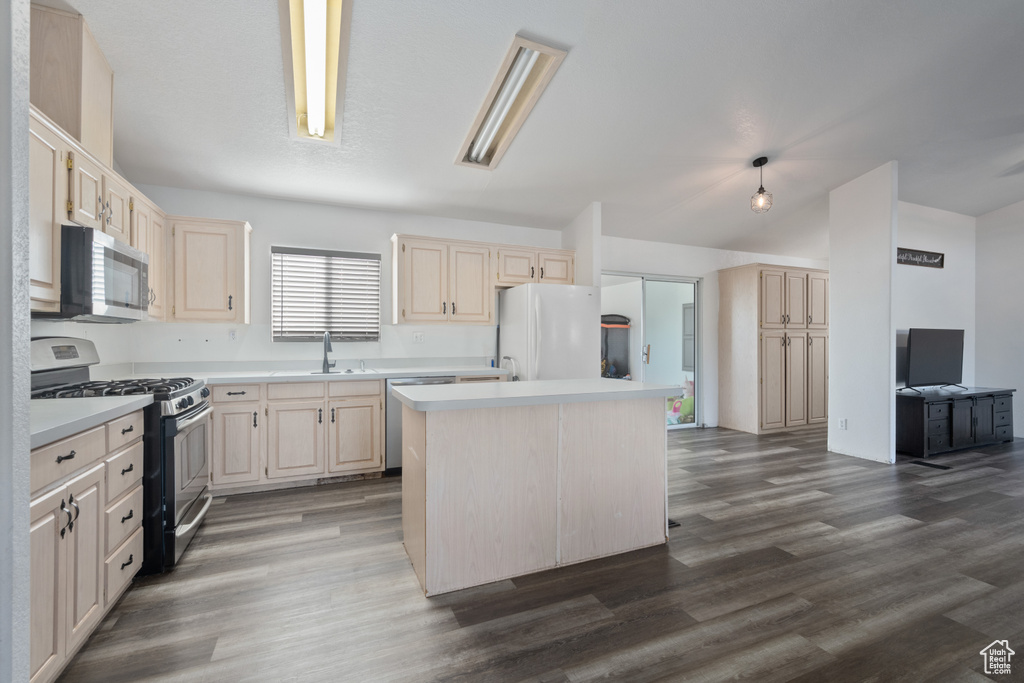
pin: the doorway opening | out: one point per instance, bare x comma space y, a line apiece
650, 333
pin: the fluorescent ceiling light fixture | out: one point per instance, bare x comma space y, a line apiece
314, 41
527, 69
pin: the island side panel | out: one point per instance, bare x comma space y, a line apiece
414, 490
491, 494
612, 473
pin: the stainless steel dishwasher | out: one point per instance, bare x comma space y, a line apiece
393, 420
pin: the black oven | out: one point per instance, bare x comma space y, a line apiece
176, 495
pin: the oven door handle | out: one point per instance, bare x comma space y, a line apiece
182, 424
185, 528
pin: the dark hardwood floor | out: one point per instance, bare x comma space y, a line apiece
790, 564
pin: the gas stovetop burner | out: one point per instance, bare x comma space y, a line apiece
160, 388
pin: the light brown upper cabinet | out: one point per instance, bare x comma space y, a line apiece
439, 281
86, 192
149, 235
116, 210
515, 266
817, 300
556, 267
71, 81
787, 299
518, 266
48, 209
210, 269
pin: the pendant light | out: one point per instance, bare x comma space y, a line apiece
761, 201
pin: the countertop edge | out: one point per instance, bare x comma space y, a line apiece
44, 436
569, 396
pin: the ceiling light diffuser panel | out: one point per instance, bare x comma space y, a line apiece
314, 42
525, 72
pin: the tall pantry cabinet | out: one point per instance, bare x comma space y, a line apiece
773, 348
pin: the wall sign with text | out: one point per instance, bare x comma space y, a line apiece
914, 257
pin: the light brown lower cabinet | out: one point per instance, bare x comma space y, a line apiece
67, 554
273, 433
354, 435
85, 538
794, 378
295, 446
238, 437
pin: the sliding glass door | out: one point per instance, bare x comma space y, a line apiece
650, 328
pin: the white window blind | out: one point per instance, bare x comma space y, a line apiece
317, 291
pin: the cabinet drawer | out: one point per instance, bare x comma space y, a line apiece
74, 452
937, 410
938, 443
938, 427
1004, 433
124, 470
1004, 403
354, 388
122, 566
295, 390
124, 430
1004, 418
236, 392
123, 517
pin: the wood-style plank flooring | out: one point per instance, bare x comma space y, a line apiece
790, 564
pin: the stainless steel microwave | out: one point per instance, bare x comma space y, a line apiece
101, 279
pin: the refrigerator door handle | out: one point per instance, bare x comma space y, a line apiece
535, 352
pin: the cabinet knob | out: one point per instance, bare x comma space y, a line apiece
131, 558
254, 418
320, 416
229, 301
131, 513
332, 415
128, 469
69, 456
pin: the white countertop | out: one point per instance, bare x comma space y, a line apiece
53, 419
310, 375
537, 392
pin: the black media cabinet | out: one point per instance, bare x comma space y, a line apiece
940, 420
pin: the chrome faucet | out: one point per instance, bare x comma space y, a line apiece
327, 347
362, 366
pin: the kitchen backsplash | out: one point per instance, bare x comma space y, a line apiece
146, 342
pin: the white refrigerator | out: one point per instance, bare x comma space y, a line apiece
550, 331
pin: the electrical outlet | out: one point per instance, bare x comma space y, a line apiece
842, 424
417, 337
232, 335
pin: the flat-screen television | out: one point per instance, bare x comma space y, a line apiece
934, 357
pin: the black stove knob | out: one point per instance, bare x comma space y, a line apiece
204, 392
191, 400
182, 404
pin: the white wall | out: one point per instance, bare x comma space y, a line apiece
937, 297
584, 235
1000, 307
623, 255
289, 223
14, 334
862, 334
627, 299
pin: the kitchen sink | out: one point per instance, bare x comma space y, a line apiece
350, 371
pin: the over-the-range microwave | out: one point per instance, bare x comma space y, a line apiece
101, 279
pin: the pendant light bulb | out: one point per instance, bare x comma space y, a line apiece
761, 201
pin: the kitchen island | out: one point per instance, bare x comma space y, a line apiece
505, 479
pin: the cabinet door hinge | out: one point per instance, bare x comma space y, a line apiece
173, 312
403, 314
71, 207
266, 412
71, 162
266, 471
172, 232
131, 204
403, 248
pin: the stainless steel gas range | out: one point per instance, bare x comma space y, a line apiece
176, 496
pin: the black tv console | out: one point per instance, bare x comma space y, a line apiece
939, 420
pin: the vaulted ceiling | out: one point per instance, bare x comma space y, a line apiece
657, 112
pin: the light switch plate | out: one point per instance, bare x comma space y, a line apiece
417, 337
